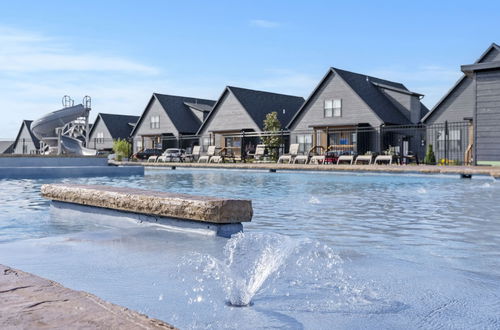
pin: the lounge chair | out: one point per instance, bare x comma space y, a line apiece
210, 154
195, 153
260, 151
293, 152
319, 158
383, 158
345, 158
170, 155
364, 158
216, 159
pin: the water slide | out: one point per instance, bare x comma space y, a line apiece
45, 129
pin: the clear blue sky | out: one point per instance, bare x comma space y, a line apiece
119, 52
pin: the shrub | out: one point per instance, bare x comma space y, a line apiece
122, 148
430, 158
272, 125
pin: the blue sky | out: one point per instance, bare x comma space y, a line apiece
119, 52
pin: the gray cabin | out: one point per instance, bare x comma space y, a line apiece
26, 142
170, 121
109, 127
241, 110
475, 100
346, 109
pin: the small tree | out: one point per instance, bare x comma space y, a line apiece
121, 148
430, 158
272, 126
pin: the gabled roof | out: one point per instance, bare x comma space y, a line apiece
119, 126
259, 103
27, 123
6, 147
199, 106
184, 120
479, 60
368, 89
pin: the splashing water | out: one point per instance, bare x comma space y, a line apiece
314, 200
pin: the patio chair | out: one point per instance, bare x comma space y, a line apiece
345, 158
195, 153
293, 152
364, 158
153, 159
383, 158
260, 151
206, 158
319, 158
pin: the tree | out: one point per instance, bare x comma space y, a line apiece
121, 148
430, 158
272, 140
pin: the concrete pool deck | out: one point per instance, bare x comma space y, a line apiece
397, 169
32, 302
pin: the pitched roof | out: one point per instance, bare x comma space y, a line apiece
6, 146
200, 106
27, 123
452, 89
368, 89
118, 125
184, 120
259, 103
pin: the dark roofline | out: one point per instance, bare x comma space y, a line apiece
229, 89
100, 118
470, 68
316, 89
143, 113
459, 81
33, 138
154, 96
209, 116
384, 86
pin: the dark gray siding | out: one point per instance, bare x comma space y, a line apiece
354, 110
488, 116
457, 105
144, 128
25, 140
493, 55
229, 116
108, 139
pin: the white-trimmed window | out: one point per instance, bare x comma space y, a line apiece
139, 145
333, 108
155, 122
205, 142
305, 142
100, 137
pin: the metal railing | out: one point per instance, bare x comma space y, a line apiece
451, 142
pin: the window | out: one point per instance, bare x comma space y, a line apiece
333, 108
100, 137
139, 145
305, 142
155, 122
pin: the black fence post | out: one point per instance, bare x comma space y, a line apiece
446, 142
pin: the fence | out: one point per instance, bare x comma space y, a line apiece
451, 142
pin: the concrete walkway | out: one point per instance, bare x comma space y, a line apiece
423, 169
32, 302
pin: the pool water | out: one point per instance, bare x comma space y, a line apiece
323, 251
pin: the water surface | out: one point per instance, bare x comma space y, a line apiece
323, 251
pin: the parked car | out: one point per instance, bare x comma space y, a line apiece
145, 154
172, 154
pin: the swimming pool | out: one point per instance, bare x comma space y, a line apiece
324, 250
